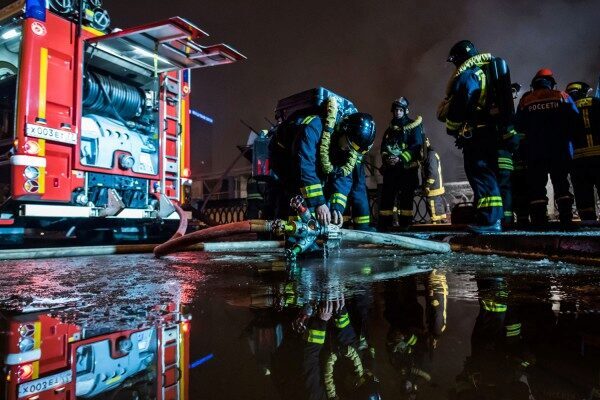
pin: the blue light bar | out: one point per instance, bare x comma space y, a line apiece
201, 116
36, 9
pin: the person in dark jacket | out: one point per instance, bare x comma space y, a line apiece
401, 152
547, 118
296, 153
468, 120
433, 184
585, 174
354, 138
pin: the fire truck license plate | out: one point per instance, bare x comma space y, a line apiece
42, 384
56, 135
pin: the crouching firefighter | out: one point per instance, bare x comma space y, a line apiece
585, 173
343, 169
401, 152
313, 158
433, 185
478, 111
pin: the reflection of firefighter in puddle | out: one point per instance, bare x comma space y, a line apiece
497, 367
304, 340
333, 366
410, 341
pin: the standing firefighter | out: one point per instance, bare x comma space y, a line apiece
433, 185
478, 112
401, 151
585, 174
548, 118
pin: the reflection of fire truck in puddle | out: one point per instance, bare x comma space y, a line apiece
45, 358
94, 124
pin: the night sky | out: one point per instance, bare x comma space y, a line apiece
368, 51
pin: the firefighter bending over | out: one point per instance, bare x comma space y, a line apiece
585, 174
401, 151
433, 185
313, 156
547, 118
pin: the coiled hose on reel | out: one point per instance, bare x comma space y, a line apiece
105, 95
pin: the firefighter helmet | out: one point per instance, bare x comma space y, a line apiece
360, 131
543, 78
402, 103
578, 90
461, 52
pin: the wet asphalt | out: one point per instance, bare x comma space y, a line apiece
484, 327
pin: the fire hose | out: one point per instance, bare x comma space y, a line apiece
301, 235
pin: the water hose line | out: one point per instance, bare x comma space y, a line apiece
182, 242
384, 239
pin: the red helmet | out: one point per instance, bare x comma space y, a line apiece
546, 74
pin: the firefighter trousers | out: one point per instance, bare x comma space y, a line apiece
480, 168
520, 194
436, 209
585, 176
537, 178
398, 182
504, 176
361, 212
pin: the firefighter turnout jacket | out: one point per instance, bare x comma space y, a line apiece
404, 139
433, 184
548, 119
587, 140
294, 150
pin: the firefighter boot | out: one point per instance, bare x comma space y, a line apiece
565, 209
538, 212
385, 220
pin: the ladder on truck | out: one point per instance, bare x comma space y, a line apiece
172, 373
171, 134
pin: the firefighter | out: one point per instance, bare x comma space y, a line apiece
401, 151
354, 137
467, 116
413, 334
585, 174
307, 151
547, 118
498, 365
433, 185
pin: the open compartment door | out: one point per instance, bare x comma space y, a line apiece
161, 47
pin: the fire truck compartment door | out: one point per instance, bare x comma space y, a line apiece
163, 46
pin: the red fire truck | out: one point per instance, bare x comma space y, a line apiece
94, 122
42, 358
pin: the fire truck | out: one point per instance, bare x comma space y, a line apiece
43, 358
94, 121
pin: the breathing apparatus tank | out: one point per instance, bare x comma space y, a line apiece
500, 93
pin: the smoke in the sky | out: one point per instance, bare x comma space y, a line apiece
369, 51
